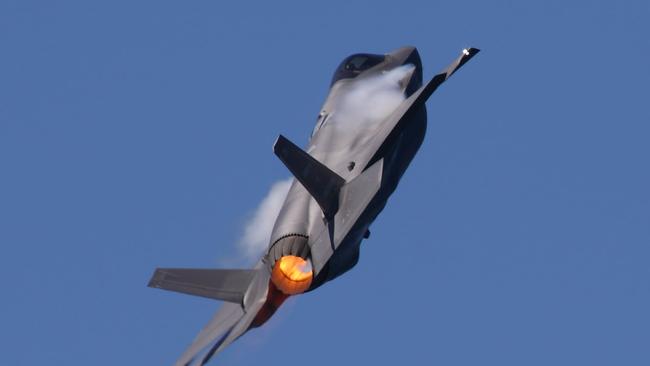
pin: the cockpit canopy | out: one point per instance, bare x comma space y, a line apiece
355, 64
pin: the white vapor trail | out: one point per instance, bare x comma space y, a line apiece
257, 232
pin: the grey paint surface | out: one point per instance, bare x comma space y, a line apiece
343, 180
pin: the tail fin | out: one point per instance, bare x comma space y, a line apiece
220, 284
322, 183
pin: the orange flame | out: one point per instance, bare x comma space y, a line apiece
292, 275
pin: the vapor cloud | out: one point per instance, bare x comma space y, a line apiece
373, 99
257, 231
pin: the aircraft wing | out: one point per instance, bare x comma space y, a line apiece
396, 121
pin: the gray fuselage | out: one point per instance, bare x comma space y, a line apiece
340, 135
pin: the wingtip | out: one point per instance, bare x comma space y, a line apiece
471, 51
154, 281
280, 139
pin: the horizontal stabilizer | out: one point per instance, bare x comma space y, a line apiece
220, 284
323, 184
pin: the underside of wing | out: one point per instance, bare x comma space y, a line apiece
396, 121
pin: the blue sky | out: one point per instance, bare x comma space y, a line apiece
138, 134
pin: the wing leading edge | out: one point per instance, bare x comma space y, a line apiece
395, 122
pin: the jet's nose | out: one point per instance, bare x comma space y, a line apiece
405, 55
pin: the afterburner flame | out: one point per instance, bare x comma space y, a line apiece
292, 275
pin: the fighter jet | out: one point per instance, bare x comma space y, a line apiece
342, 181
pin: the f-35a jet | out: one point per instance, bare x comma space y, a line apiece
368, 131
